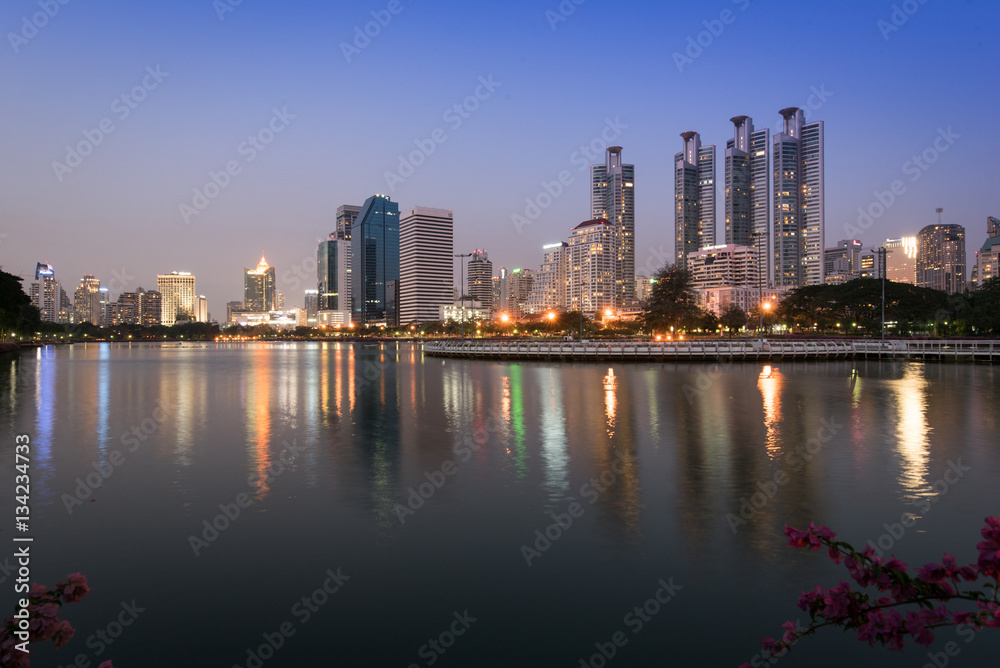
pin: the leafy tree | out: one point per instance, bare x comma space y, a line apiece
984, 313
733, 318
13, 301
672, 302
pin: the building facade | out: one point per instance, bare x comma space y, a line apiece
259, 288
333, 276
988, 257
842, 263
799, 202
612, 198
590, 279
177, 291
548, 293
941, 258
375, 263
479, 272
46, 293
694, 197
723, 266
426, 264
901, 260
87, 301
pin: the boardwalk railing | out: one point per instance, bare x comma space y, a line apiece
714, 349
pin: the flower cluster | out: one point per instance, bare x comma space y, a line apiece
884, 618
43, 621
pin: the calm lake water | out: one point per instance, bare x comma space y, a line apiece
418, 490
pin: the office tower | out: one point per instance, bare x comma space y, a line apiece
590, 273
279, 301
519, 285
941, 258
375, 262
259, 288
901, 260
497, 304
346, 215
870, 266
177, 290
480, 279
426, 264
548, 292
333, 279
65, 315
723, 266
87, 301
799, 202
988, 257
200, 309
150, 307
842, 263
748, 187
694, 197
46, 292
311, 306
612, 198
500, 291
644, 288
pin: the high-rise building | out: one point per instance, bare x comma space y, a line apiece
311, 307
177, 290
87, 301
480, 279
988, 257
644, 288
375, 262
519, 285
150, 307
799, 202
46, 293
346, 215
590, 274
723, 266
498, 292
941, 258
612, 198
259, 290
748, 187
548, 291
842, 263
333, 276
694, 197
426, 264
200, 309
901, 260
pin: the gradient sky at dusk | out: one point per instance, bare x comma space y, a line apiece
118, 211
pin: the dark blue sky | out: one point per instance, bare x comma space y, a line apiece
889, 94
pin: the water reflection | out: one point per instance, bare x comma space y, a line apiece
769, 383
610, 402
912, 430
552, 422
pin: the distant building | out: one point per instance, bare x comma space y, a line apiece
612, 198
694, 197
748, 188
842, 263
259, 288
232, 310
717, 300
644, 288
941, 258
346, 215
201, 309
988, 257
723, 266
480, 279
591, 269
46, 293
869, 266
520, 282
87, 301
177, 290
471, 311
375, 263
548, 291
426, 264
500, 296
798, 239
333, 276
901, 260
311, 307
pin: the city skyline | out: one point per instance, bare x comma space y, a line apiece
517, 128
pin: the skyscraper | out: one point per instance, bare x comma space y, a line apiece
612, 198
694, 197
201, 309
748, 187
375, 262
519, 285
799, 202
988, 257
177, 290
46, 293
549, 288
590, 274
480, 279
87, 301
333, 277
842, 263
346, 215
259, 293
901, 260
941, 258
426, 264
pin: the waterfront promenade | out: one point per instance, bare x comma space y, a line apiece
719, 349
